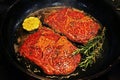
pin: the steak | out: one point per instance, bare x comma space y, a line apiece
74, 24
50, 51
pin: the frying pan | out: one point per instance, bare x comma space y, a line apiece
99, 9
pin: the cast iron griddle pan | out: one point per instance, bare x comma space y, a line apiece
98, 9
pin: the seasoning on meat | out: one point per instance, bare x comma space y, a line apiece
51, 52
74, 24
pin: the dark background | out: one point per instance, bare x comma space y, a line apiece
10, 72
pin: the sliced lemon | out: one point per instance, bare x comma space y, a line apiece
31, 23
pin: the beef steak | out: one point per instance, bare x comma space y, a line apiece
51, 52
75, 24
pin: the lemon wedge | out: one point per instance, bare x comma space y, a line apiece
31, 23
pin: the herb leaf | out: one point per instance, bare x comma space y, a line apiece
91, 50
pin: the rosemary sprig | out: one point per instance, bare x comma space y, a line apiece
91, 50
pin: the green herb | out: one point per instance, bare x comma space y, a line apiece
91, 50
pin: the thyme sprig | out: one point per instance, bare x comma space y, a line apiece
91, 51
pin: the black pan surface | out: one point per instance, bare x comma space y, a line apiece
104, 13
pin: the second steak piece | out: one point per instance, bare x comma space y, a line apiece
51, 52
74, 24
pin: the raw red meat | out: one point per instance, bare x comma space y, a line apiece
74, 24
51, 52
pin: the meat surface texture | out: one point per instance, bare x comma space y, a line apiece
51, 52
75, 24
